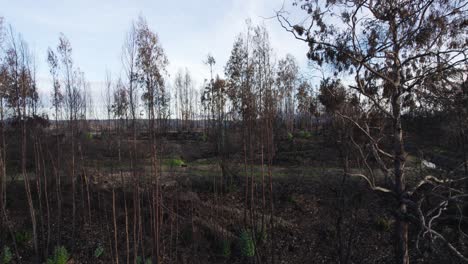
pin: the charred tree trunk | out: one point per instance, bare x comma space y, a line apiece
401, 223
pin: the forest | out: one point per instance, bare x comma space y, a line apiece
261, 163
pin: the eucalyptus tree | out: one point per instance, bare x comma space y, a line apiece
447, 96
238, 75
286, 81
219, 98
252, 98
176, 87
120, 109
151, 65
108, 99
188, 97
208, 94
3, 83
391, 48
83, 97
129, 64
19, 93
73, 81
57, 104
183, 87
56, 95
120, 101
307, 105
129, 59
334, 98
266, 105
64, 50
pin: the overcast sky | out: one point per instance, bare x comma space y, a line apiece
188, 30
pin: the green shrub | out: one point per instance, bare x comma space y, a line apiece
60, 256
290, 136
247, 246
176, 162
304, 134
222, 247
22, 238
140, 260
6, 256
204, 137
383, 224
261, 235
99, 251
291, 199
226, 248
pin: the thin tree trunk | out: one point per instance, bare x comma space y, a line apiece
115, 227
401, 223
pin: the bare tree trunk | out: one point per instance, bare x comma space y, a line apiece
58, 187
73, 181
401, 224
38, 174
115, 227
270, 149
3, 182
46, 193
27, 184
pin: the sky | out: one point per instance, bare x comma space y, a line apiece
188, 30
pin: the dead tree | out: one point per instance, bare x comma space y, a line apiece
3, 80
151, 67
129, 63
18, 93
74, 84
286, 81
390, 48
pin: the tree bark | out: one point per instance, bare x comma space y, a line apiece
401, 224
